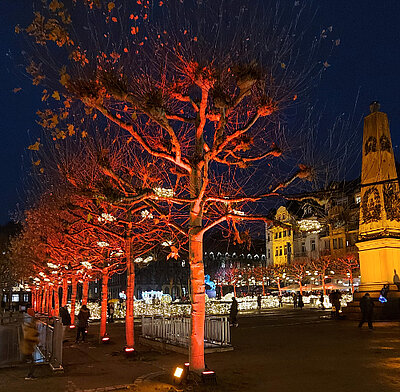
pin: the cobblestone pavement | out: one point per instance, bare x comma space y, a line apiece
279, 350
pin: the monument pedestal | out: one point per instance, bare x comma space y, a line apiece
389, 310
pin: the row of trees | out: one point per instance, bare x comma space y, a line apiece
158, 119
280, 275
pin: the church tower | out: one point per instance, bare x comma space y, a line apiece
379, 222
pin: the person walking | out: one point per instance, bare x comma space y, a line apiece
259, 303
28, 343
233, 313
110, 312
295, 300
280, 300
336, 302
321, 300
300, 303
367, 310
65, 319
83, 319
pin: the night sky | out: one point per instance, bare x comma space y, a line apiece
364, 67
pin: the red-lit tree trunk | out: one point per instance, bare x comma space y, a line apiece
196, 348
263, 286
44, 300
130, 290
323, 284
104, 295
73, 300
56, 300
85, 291
234, 290
279, 286
64, 292
50, 301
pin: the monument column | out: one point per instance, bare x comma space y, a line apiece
379, 222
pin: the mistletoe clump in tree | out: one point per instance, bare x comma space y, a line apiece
201, 88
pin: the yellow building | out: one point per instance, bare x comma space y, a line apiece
282, 237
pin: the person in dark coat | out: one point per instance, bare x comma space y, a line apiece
259, 303
233, 313
65, 316
83, 320
300, 302
294, 300
367, 310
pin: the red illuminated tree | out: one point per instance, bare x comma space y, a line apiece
347, 266
298, 271
199, 105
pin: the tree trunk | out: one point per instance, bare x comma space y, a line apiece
44, 300
351, 282
130, 292
196, 348
279, 286
85, 292
234, 290
56, 300
301, 287
73, 300
323, 284
64, 292
104, 295
263, 287
50, 301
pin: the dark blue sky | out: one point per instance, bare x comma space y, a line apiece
366, 61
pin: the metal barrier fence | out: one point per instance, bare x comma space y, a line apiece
176, 330
50, 343
48, 350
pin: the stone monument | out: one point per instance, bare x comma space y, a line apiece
379, 221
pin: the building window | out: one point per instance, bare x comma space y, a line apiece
327, 244
312, 244
276, 235
358, 199
285, 250
269, 238
335, 243
280, 234
280, 251
303, 247
340, 243
284, 233
15, 297
276, 252
288, 232
269, 254
26, 297
283, 217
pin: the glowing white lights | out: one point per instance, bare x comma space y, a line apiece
166, 243
86, 264
163, 192
146, 214
103, 244
310, 225
106, 218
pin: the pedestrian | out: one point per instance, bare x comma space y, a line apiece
300, 301
367, 310
321, 300
28, 343
233, 313
65, 319
110, 312
295, 300
280, 300
336, 302
83, 320
259, 303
